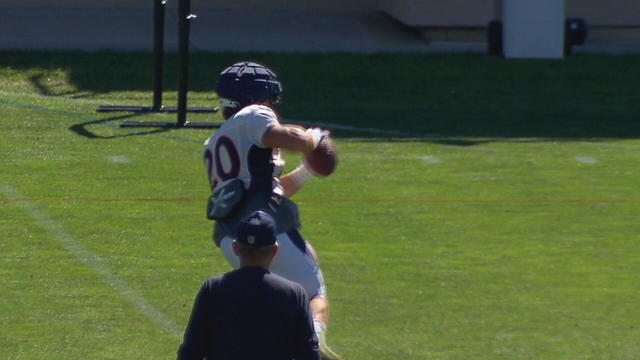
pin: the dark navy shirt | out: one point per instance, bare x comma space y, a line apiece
250, 314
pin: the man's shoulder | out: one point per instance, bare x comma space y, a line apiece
213, 281
255, 111
284, 284
239, 277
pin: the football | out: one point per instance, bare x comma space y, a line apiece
323, 160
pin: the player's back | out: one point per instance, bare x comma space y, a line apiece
236, 151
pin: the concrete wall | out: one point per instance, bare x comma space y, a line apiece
472, 13
466, 20
606, 12
314, 5
77, 3
412, 12
441, 13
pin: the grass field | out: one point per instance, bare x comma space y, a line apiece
491, 214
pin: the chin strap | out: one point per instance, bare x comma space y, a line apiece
229, 103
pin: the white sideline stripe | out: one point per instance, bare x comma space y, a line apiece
336, 126
365, 129
586, 160
471, 148
391, 132
87, 257
597, 143
430, 159
119, 159
54, 97
399, 133
428, 136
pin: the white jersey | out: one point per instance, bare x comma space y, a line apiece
236, 151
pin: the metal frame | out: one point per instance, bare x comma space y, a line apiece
184, 19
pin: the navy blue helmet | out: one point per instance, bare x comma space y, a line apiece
246, 83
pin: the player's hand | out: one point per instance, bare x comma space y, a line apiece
317, 134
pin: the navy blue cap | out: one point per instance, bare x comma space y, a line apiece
257, 230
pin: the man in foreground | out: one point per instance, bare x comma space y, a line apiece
250, 313
244, 164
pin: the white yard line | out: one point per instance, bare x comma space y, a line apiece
364, 129
368, 130
586, 160
430, 159
53, 97
471, 148
431, 136
392, 133
610, 144
119, 159
87, 257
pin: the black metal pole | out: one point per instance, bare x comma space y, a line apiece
184, 18
158, 52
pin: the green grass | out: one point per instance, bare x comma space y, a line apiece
499, 239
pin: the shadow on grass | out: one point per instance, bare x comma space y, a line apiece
448, 95
39, 82
82, 130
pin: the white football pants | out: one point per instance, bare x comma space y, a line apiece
296, 261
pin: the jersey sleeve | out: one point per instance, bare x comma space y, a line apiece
259, 120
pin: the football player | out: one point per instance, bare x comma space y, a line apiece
244, 165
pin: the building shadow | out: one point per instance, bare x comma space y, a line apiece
453, 96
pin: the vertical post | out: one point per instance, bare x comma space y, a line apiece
497, 9
534, 28
184, 18
158, 52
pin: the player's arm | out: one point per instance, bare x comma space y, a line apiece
290, 138
293, 181
306, 345
296, 139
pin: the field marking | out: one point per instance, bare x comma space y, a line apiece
370, 130
61, 98
18, 199
88, 120
430, 159
365, 129
454, 136
119, 159
87, 257
586, 160
609, 144
471, 148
